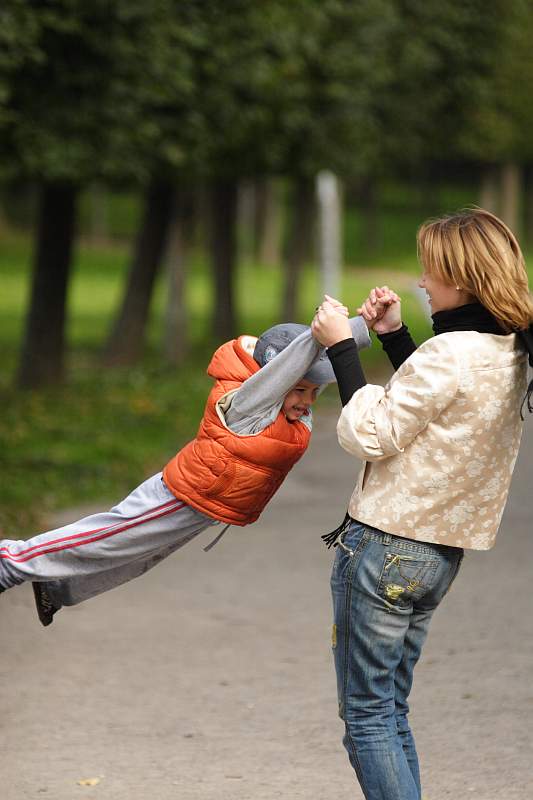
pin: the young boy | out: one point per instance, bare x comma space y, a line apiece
256, 424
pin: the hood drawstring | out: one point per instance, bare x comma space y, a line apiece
330, 539
217, 538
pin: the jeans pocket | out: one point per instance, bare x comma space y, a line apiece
346, 547
405, 578
455, 572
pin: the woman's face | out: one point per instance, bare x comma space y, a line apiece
442, 296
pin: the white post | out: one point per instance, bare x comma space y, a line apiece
330, 232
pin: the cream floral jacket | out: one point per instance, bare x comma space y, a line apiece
440, 440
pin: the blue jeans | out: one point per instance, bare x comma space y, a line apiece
385, 589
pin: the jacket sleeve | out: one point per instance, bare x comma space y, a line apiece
379, 422
256, 404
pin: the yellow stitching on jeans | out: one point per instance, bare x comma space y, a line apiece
394, 560
334, 636
393, 591
397, 559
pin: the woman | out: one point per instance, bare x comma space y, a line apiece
439, 444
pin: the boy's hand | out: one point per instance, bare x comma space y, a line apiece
330, 326
382, 310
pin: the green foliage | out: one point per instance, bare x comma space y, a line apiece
439, 52
127, 89
499, 114
75, 102
338, 69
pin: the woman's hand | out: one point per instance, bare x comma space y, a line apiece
337, 305
382, 310
330, 323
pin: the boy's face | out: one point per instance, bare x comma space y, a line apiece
299, 399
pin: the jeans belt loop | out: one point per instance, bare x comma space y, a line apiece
340, 543
386, 538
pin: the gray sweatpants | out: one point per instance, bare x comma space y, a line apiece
103, 550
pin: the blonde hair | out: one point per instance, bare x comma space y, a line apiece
477, 252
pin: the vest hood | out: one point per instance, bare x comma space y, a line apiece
233, 361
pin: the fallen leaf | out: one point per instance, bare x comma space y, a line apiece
88, 781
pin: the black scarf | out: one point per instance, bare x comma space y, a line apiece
470, 317
475, 317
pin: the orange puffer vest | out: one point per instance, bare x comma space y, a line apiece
227, 476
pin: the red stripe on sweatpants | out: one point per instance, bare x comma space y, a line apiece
85, 533
72, 545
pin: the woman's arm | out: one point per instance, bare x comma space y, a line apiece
380, 422
398, 345
381, 309
385, 318
347, 367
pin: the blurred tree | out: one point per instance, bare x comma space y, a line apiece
222, 129
235, 130
177, 256
267, 221
336, 66
127, 335
300, 240
440, 53
72, 109
499, 115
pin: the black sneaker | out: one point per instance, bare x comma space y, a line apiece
45, 608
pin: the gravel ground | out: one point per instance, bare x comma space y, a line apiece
211, 677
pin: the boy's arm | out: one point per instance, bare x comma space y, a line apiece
257, 403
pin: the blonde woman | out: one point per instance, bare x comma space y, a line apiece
439, 443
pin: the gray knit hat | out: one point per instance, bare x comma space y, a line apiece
276, 339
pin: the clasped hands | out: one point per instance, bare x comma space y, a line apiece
381, 311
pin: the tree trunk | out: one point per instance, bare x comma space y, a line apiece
126, 340
245, 222
267, 222
528, 203
223, 256
489, 194
99, 214
178, 249
299, 243
43, 349
511, 196
370, 212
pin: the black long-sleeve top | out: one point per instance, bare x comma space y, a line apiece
344, 358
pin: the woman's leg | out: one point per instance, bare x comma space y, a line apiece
403, 679
376, 583
451, 559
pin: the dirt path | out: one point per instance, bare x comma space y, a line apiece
211, 678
